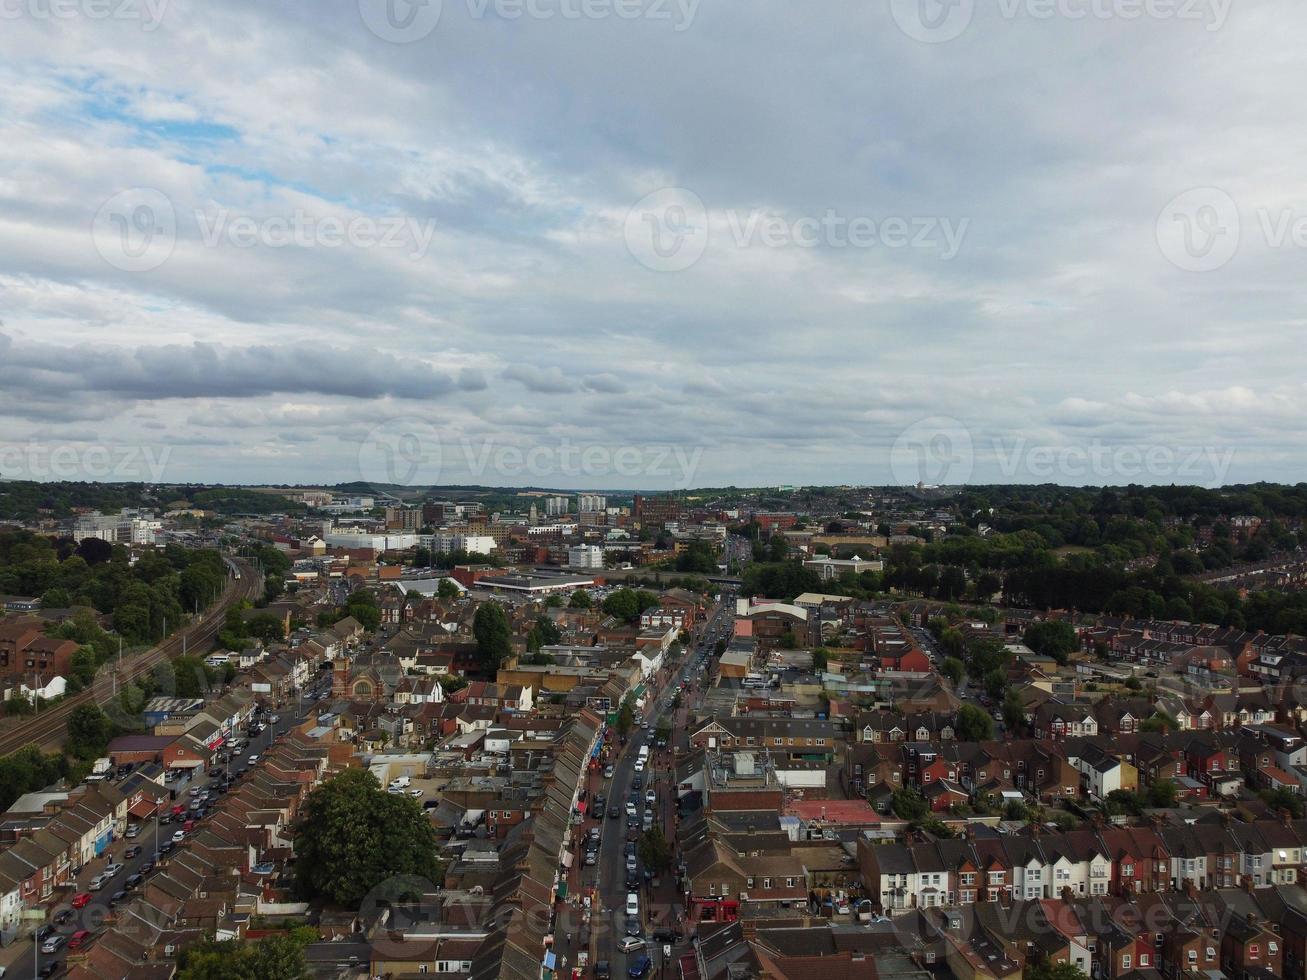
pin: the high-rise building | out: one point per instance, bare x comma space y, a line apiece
588, 503
556, 506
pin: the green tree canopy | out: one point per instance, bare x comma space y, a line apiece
973, 724
270, 958
353, 836
493, 636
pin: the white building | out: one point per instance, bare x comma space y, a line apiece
590, 503
556, 506
585, 556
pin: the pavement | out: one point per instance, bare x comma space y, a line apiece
17, 960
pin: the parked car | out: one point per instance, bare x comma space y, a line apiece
50, 969
53, 944
133, 830
633, 927
79, 939
118, 897
133, 851
178, 836
640, 967
63, 915
632, 903
667, 935
614, 813
602, 970
630, 944
112, 869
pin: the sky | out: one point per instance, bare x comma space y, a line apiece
653, 244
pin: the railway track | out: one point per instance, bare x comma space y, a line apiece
48, 729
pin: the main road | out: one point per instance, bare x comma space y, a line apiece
657, 909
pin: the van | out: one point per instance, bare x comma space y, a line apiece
400, 782
632, 903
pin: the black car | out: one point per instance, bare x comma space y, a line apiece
598, 802
118, 897
62, 916
44, 933
614, 812
50, 969
633, 927
602, 970
638, 782
632, 880
147, 867
133, 851
667, 935
133, 880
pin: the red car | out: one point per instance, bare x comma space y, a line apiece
79, 939
81, 900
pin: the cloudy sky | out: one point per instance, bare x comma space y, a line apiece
653, 243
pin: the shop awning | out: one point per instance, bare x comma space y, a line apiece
562, 889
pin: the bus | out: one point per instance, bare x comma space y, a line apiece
642, 759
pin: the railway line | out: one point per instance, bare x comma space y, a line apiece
47, 730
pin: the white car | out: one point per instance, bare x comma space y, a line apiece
415, 793
632, 903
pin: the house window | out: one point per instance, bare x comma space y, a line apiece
1272, 949
789, 882
1125, 961
766, 883
1193, 956
1128, 870
1254, 950
749, 883
1143, 960
821, 741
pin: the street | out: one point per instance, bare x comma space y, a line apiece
155, 841
659, 905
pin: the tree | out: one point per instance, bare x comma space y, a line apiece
908, 804
580, 600
353, 836
820, 659
1048, 970
1054, 639
270, 958
625, 716
192, 677
974, 725
1014, 710
447, 589
89, 731
655, 853
493, 636
1160, 722
1284, 799
1163, 792
952, 669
